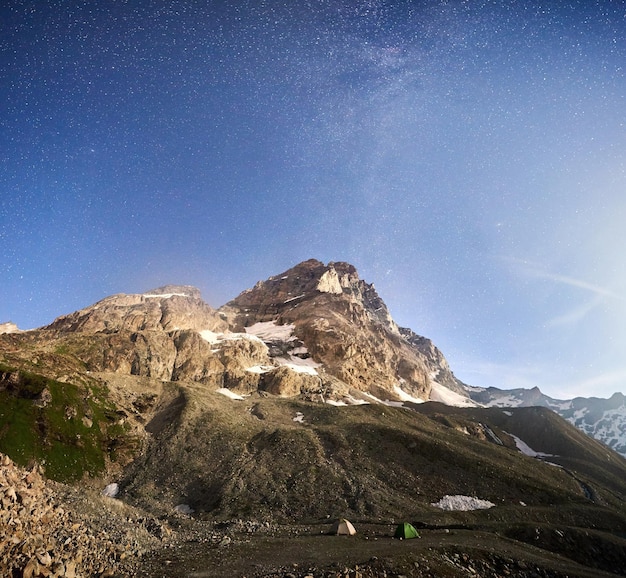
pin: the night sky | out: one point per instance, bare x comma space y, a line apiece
468, 157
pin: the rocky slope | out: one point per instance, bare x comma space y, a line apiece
44, 530
169, 333
340, 322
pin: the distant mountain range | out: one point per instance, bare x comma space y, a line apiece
602, 419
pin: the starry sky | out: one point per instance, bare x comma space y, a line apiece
468, 157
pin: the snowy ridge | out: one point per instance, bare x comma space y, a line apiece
601, 419
609, 427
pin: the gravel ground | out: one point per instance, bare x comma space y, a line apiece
311, 552
53, 530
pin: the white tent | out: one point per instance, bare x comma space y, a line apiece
343, 528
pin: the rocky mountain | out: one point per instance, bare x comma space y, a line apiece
314, 330
341, 325
298, 402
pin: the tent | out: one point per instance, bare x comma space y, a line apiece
343, 528
405, 531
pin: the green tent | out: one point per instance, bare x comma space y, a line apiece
405, 531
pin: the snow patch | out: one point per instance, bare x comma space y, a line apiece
336, 403
184, 509
299, 417
228, 393
404, 396
210, 336
523, 447
386, 402
217, 338
562, 405
293, 298
259, 368
442, 394
269, 331
505, 401
462, 503
299, 365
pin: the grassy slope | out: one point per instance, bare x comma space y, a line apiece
249, 458
73, 430
378, 465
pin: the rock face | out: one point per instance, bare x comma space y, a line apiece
286, 382
435, 361
344, 326
328, 328
8, 327
159, 334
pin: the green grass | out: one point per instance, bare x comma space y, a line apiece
55, 434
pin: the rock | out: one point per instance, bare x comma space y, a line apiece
286, 382
70, 569
9, 327
44, 398
329, 283
165, 309
184, 509
342, 324
111, 490
44, 558
40, 537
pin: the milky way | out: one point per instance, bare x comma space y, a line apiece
466, 157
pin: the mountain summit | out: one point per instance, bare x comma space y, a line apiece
341, 324
167, 308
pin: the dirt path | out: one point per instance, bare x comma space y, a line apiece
372, 553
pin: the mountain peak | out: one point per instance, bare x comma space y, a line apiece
343, 325
167, 308
9, 327
174, 291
